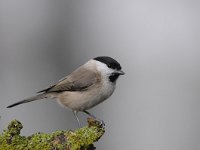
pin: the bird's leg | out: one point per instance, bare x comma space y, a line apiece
91, 115
76, 116
88, 113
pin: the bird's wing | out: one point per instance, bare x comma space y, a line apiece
79, 80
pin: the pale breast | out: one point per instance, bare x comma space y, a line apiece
85, 100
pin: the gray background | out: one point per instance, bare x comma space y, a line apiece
156, 104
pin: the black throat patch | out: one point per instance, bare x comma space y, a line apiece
113, 77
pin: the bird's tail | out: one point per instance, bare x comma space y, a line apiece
30, 99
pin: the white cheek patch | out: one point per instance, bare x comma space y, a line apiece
103, 68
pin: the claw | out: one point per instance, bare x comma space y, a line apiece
102, 123
96, 122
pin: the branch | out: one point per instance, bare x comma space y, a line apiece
80, 139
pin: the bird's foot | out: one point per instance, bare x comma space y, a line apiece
96, 122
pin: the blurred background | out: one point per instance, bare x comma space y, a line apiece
155, 105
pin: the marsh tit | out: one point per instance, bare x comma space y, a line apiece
84, 88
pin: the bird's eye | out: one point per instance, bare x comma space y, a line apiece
109, 65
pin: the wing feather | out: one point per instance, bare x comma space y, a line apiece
79, 80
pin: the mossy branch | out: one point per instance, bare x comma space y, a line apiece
80, 139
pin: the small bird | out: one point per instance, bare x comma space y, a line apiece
84, 88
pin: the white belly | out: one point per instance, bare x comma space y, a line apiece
87, 99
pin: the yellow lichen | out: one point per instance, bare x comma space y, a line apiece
82, 138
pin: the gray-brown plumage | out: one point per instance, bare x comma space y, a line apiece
79, 80
85, 87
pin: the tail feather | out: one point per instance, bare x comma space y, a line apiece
37, 97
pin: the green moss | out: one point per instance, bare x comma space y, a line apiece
82, 138
11, 139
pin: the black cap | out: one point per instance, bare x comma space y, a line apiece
110, 62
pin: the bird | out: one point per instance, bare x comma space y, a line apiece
87, 86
